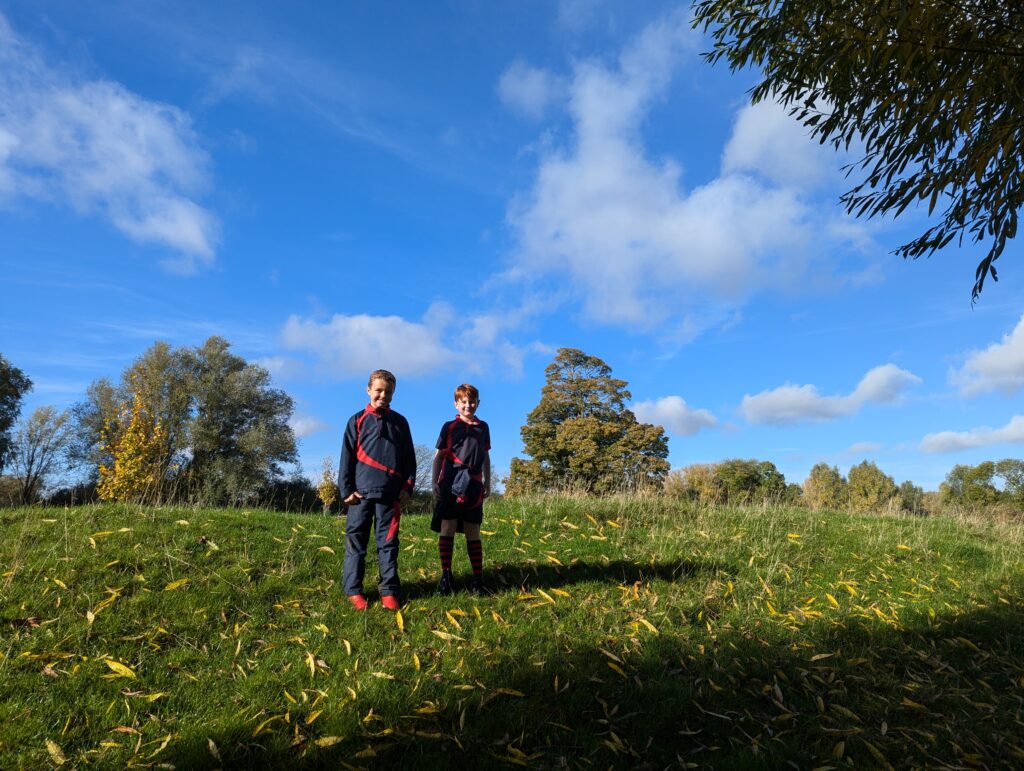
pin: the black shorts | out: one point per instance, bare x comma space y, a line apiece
449, 508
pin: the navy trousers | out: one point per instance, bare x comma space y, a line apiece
383, 517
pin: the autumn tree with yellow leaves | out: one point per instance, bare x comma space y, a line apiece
223, 429
137, 454
327, 489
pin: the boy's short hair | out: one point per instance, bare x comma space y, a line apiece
467, 391
381, 374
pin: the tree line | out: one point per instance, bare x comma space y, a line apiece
990, 487
197, 425
582, 438
203, 426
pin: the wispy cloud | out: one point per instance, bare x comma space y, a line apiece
355, 104
952, 441
577, 15
1000, 367
281, 366
637, 246
103, 150
863, 448
674, 415
529, 90
306, 425
789, 404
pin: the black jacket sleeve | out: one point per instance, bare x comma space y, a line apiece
408, 454
347, 466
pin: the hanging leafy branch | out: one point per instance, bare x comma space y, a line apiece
932, 90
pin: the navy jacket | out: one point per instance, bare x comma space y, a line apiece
378, 459
465, 446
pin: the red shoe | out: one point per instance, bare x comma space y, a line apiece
358, 601
390, 602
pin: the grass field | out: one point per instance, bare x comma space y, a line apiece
621, 633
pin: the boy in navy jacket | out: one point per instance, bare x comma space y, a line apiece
461, 477
378, 468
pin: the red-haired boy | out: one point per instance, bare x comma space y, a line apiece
378, 468
461, 477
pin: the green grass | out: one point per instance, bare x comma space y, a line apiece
622, 633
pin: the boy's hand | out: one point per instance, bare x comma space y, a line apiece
353, 499
487, 492
437, 490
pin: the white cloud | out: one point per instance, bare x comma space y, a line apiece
674, 415
793, 404
1000, 367
636, 246
355, 345
306, 425
529, 90
103, 150
861, 448
766, 140
883, 385
790, 404
951, 441
281, 366
577, 15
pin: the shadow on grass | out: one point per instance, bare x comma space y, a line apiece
941, 695
525, 576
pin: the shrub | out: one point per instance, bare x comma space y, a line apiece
870, 488
825, 488
794, 495
750, 481
327, 489
697, 482
970, 487
911, 498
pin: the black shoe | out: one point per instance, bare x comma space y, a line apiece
446, 584
476, 586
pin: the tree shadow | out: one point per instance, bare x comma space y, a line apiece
944, 694
528, 575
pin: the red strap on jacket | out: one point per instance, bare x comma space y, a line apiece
361, 454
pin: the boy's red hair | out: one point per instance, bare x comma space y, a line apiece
467, 391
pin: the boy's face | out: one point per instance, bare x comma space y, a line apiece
380, 392
466, 406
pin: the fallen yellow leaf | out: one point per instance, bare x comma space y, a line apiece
120, 669
259, 729
446, 635
56, 754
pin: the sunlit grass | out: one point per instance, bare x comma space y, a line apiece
621, 632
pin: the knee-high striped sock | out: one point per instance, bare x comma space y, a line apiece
475, 549
445, 544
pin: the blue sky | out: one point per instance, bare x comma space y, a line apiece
455, 190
